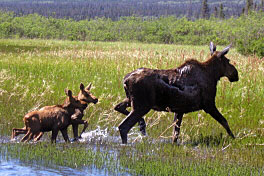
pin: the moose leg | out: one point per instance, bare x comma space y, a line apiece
54, 135
213, 111
121, 107
38, 136
65, 134
75, 124
26, 136
133, 117
29, 137
84, 127
142, 126
75, 131
17, 131
78, 115
176, 130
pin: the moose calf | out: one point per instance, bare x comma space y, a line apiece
50, 118
76, 119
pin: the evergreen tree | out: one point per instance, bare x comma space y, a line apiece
221, 12
190, 10
249, 6
243, 10
205, 10
215, 12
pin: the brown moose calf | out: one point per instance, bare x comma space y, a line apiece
50, 118
85, 96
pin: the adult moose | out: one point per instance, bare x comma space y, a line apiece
188, 88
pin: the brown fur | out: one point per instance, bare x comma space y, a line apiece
50, 118
76, 119
188, 88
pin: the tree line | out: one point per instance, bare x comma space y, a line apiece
245, 32
90, 9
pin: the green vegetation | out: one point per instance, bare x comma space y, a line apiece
34, 73
245, 32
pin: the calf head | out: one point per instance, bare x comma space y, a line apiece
72, 102
85, 94
226, 68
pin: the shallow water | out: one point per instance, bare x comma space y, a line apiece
92, 139
15, 167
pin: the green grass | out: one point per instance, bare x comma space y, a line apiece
34, 73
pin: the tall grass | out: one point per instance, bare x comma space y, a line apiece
34, 73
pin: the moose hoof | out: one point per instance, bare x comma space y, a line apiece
124, 138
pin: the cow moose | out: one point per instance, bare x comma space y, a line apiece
76, 119
190, 87
50, 118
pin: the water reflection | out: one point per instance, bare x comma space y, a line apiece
14, 167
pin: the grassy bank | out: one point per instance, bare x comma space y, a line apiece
34, 73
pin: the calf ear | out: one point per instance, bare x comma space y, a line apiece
89, 86
212, 48
224, 52
81, 86
68, 92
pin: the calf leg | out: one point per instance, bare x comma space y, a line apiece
213, 111
133, 117
17, 131
28, 136
176, 130
65, 135
38, 136
75, 124
121, 107
54, 135
78, 115
84, 127
75, 131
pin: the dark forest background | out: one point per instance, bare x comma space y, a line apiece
114, 9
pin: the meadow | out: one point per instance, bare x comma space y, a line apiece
34, 73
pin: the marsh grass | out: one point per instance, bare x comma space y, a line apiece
34, 73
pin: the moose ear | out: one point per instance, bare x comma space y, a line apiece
81, 86
224, 52
68, 92
89, 86
212, 48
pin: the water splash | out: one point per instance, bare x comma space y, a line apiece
110, 135
95, 135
